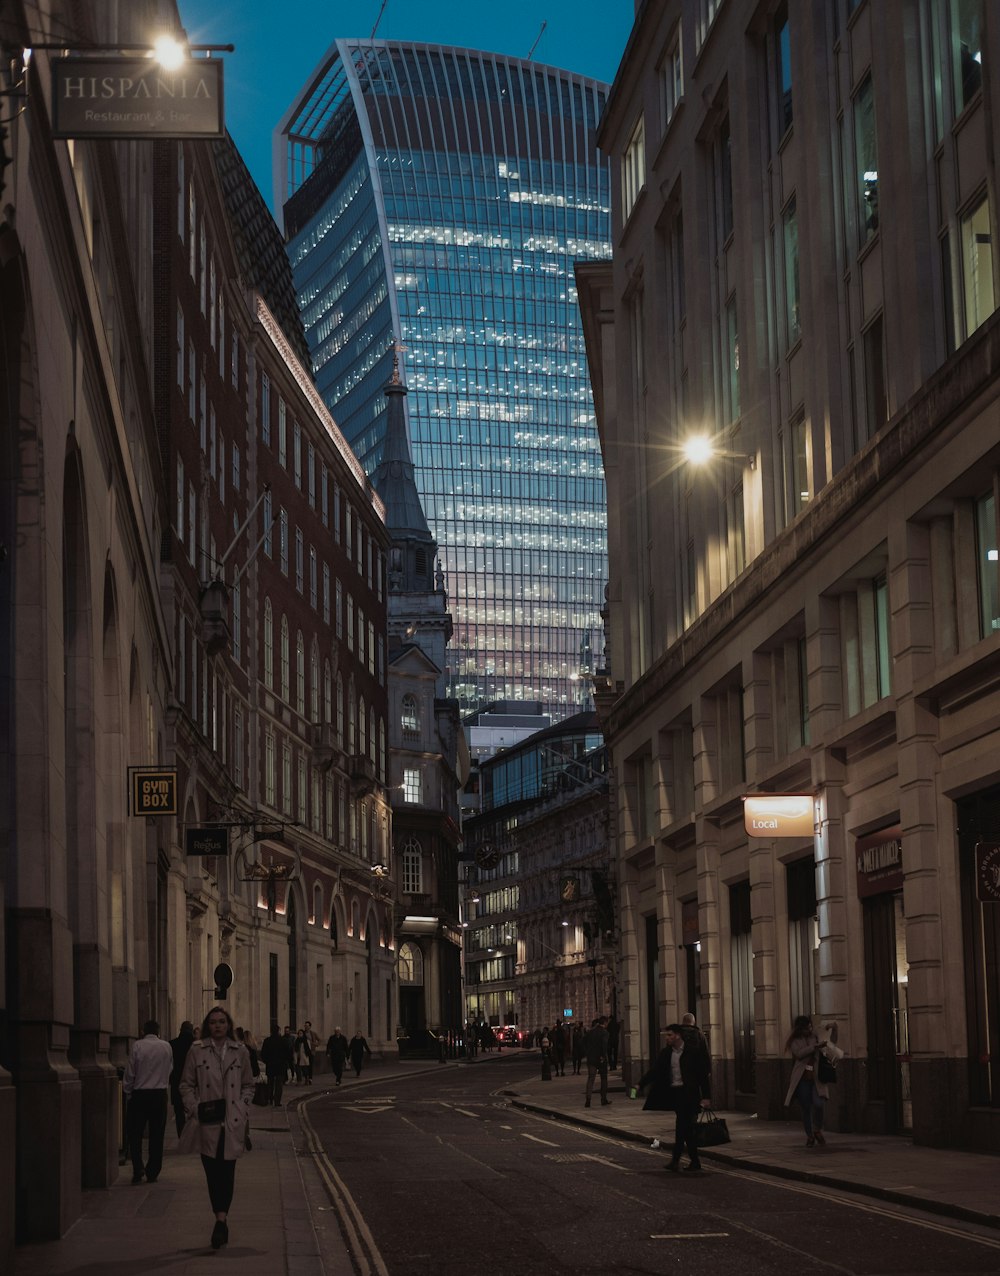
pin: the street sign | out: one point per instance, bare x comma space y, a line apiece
128, 97
223, 976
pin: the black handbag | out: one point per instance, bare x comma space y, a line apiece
710, 1130
826, 1070
212, 1112
261, 1094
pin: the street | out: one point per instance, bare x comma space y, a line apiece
437, 1173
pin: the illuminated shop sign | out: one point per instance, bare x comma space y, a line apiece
879, 862
779, 815
136, 98
153, 792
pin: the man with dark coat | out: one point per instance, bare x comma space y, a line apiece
180, 1045
358, 1048
680, 1081
336, 1048
595, 1049
558, 1040
276, 1057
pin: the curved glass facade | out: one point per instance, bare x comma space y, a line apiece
440, 197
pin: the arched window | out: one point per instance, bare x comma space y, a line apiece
317, 916
285, 674
340, 711
413, 876
409, 716
410, 964
300, 674
327, 692
268, 645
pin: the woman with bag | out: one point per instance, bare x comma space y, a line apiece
805, 1085
216, 1088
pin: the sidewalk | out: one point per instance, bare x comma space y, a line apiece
165, 1227
963, 1185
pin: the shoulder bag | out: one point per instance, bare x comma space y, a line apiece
710, 1130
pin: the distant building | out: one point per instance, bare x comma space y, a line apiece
428, 760
804, 275
439, 197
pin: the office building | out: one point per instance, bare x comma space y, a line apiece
437, 198
803, 278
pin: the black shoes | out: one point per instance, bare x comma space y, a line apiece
693, 1168
220, 1234
151, 1178
605, 1103
674, 1167
136, 1180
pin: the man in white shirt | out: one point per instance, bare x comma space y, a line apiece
147, 1082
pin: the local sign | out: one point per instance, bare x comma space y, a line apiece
988, 872
128, 97
153, 792
779, 815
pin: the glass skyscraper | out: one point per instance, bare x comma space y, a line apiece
437, 198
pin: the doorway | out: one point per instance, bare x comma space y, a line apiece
887, 1006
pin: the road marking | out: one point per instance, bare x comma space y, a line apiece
683, 1236
368, 1108
535, 1139
466, 1112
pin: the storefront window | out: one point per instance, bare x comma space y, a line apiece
987, 565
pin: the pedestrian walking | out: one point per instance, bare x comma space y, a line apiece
274, 1055
180, 1045
147, 1084
336, 1049
359, 1048
546, 1048
558, 1040
805, 1086
302, 1054
289, 1039
313, 1048
217, 1087
680, 1082
595, 1049
576, 1048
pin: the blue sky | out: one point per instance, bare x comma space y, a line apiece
279, 45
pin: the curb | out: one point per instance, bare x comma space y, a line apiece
927, 1204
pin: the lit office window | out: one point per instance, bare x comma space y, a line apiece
967, 50
866, 155
633, 168
671, 77
411, 784
977, 267
987, 565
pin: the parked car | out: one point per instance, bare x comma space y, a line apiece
510, 1036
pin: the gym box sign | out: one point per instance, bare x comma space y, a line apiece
152, 792
136, 98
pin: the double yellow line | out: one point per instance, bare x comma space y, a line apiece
360, 1242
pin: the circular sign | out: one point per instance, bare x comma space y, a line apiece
223, 975
487, 856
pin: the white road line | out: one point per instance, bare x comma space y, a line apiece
683, 1236
535, 1139
466, 1112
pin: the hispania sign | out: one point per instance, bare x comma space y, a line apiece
779, 815
136, 98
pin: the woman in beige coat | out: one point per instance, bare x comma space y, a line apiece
805, 1048
217, 1071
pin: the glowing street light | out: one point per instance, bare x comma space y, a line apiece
170, 52
699, 449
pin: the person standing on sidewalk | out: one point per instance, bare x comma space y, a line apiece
558, 1040
274, 1055
680, 1081
217, 1087
146, 1085
577, 1048
303, 1058
595, 1049
359, 1048
336, 1048
180, 1045
804, 1047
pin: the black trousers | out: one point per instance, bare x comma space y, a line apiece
221, 1177
146, 1108
687, 1116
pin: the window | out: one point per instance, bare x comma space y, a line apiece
192, 381
967, 50
350, 623
987, 565
876, 404
340, 610
311, 475
795, 449
300, 567
411, 784
192, 521
265, 409
724, 174
977, 267
707, 9
285, 662
803, 936
237, 623
371, 647
324, 495
268, 523
866, 154
180, 346
268, 645
671, 77
790, 223
234, 368
883, 667
412, 871
782, 71
238, 747
313, 577
269, 769
866, 654
282, 433
286, 778
633, 168
733, 356
340, 711
300, 674
336, 513
410, 962
283, 541
180, 500
297, 453
326, 593
409, 716
235, 480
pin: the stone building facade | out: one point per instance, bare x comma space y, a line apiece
803, 279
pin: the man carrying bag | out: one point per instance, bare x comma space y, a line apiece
680, 1081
